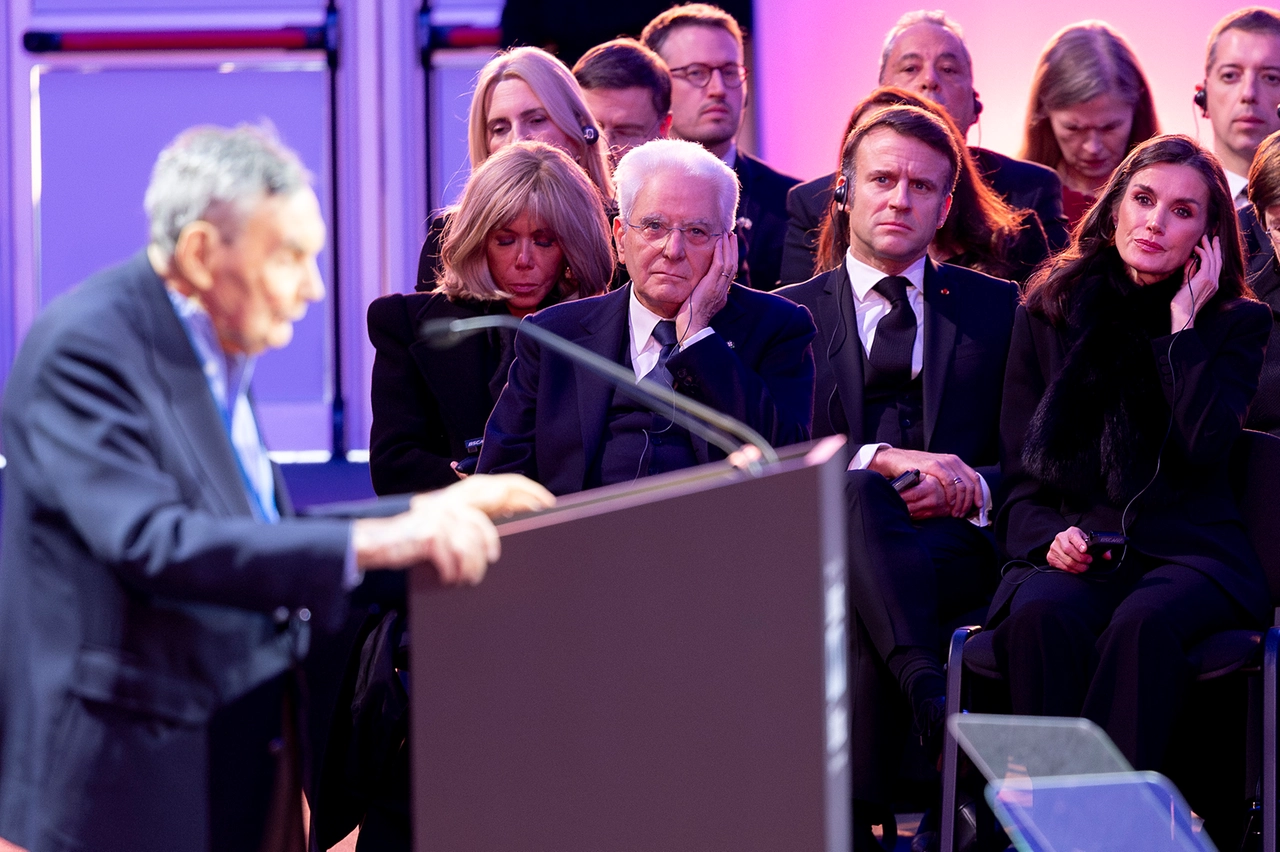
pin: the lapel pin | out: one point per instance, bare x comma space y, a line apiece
944, 291
729, 343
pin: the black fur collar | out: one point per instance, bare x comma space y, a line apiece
1102, 420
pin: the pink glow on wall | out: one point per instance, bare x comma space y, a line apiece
816, 58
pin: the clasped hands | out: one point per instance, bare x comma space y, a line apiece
948, 487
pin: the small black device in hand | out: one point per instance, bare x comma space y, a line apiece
906, 479
1101, 542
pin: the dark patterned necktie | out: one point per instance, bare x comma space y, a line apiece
895, 337
665, 333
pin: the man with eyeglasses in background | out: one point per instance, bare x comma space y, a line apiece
680, 322
702, 45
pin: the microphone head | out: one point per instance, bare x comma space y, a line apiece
440, 333
444, 333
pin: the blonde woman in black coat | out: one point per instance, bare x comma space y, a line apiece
530, 231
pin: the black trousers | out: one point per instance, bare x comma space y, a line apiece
1110, 647
907, 580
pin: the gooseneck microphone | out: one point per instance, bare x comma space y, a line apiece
702, 420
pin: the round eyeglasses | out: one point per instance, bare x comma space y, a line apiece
699, 74
656, 232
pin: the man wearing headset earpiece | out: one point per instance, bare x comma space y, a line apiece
910, 358
627, 87
702, 45
1241, 90
924, 52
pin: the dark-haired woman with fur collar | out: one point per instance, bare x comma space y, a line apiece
1131, 370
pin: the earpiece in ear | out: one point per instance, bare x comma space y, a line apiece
977, 104
590, 135
1201, 99
840, 195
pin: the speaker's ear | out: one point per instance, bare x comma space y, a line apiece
1201, 99
977, 104
841, 193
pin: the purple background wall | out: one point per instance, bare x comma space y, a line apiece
816, 58
90, 208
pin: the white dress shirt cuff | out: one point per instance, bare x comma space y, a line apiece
862, 458
694, 338
983, 516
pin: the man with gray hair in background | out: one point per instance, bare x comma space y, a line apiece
155, 590
681, 322
925, 53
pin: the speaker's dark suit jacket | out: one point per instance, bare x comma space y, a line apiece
764, 205
139, 599
906, 578
429, 402
1029, 186
550, 420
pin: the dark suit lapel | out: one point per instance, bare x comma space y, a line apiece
728, 325
836, 310
606, 331
939, 343
197, 422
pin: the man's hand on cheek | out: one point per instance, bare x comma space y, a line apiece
710, 294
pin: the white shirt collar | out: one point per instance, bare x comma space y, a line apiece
864, 277
730, 157
641, 321
1237, 184
228, 375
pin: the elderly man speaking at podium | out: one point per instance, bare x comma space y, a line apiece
155, 592
680, 322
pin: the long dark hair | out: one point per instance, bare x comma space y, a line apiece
1049, 290
1080, 63
980, 221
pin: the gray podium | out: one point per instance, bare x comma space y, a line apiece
659, 666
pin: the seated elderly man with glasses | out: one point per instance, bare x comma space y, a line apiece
680, 321
702, 45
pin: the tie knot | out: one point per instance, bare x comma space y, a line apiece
665, 332
893, 288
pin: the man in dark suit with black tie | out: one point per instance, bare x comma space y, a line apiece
925, 53
680, 322
910, 362
155, 592
702, 45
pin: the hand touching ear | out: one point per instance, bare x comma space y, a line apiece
1201, 282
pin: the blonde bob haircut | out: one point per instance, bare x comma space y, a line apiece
553, 84
540, 180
